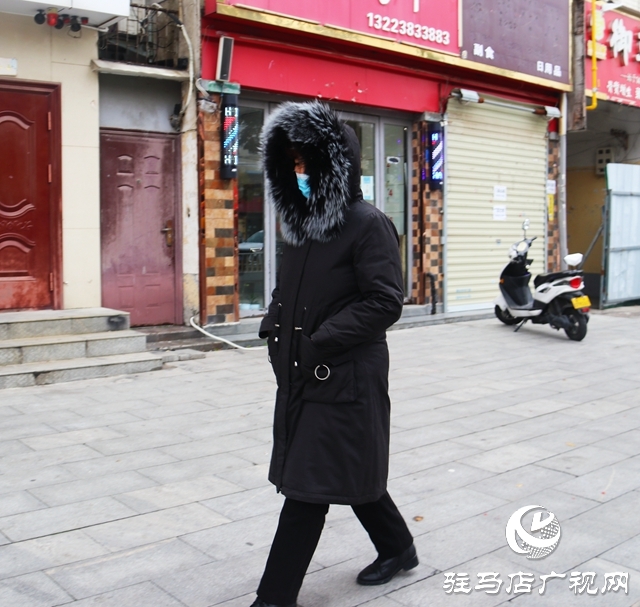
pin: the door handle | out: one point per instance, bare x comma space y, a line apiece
168, 232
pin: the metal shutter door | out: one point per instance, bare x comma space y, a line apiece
489, 146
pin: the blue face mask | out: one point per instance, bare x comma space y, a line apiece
303, 184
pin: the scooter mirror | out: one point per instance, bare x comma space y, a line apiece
525, 224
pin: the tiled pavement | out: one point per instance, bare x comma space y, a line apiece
151, 490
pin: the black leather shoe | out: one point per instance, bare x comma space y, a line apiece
382, 571
261, 603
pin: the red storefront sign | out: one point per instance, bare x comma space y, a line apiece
618, 54
432, 24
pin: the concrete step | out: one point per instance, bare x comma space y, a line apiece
65, 347
245, 332
38, 323
206, 344
51, 372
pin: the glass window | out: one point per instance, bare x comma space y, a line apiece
366, 133
251, 247
395, 183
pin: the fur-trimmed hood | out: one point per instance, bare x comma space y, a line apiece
331, 153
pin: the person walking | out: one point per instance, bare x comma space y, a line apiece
338, 289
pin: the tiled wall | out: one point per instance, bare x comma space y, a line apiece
217, 223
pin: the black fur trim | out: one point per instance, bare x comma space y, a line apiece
317, 133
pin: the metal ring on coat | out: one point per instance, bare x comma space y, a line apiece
326, 376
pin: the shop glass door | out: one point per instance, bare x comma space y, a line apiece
251, 212
365, 131
395, 183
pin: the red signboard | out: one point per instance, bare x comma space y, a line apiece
618, 54
432, 24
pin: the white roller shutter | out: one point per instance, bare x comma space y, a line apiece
489, 146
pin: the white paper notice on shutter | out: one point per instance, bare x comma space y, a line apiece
499, 212
500, 192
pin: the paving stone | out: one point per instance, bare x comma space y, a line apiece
443, 509
447, 547
13, 447
431, 591
201, 586
236, 538
506, 458
18, 502
411, 487
336, 586
91, 488
80, 422
62, 518
177, 494
36, 460
627, 442
137, 443
429, 456
44, 552
597, 409
521, 482
201, 448
32, 590
604, 484
14, 428
626, 555
111, 572
582, 460
136, 460
153, 527
18, 481
558, 591
247, 504
194, 468
451, 402
145, 594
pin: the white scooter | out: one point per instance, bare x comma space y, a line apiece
557, 299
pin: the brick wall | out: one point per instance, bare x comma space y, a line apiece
219, 269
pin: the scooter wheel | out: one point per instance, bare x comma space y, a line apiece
578, 329
504, 316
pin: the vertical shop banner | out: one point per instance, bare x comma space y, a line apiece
617, 54
432, 24
526, 36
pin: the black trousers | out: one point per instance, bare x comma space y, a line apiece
298, 534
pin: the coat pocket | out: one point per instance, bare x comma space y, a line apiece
329, 378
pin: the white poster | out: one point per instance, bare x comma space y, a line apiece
552, 187
500, 192
366, 185
499, 212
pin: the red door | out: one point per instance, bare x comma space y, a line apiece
29, 196
139, 194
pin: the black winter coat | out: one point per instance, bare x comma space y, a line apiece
339, 289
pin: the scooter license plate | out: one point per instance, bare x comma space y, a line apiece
581, 302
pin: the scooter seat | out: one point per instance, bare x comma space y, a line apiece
551, 276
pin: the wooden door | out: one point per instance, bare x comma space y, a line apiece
29, 196
139, 225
